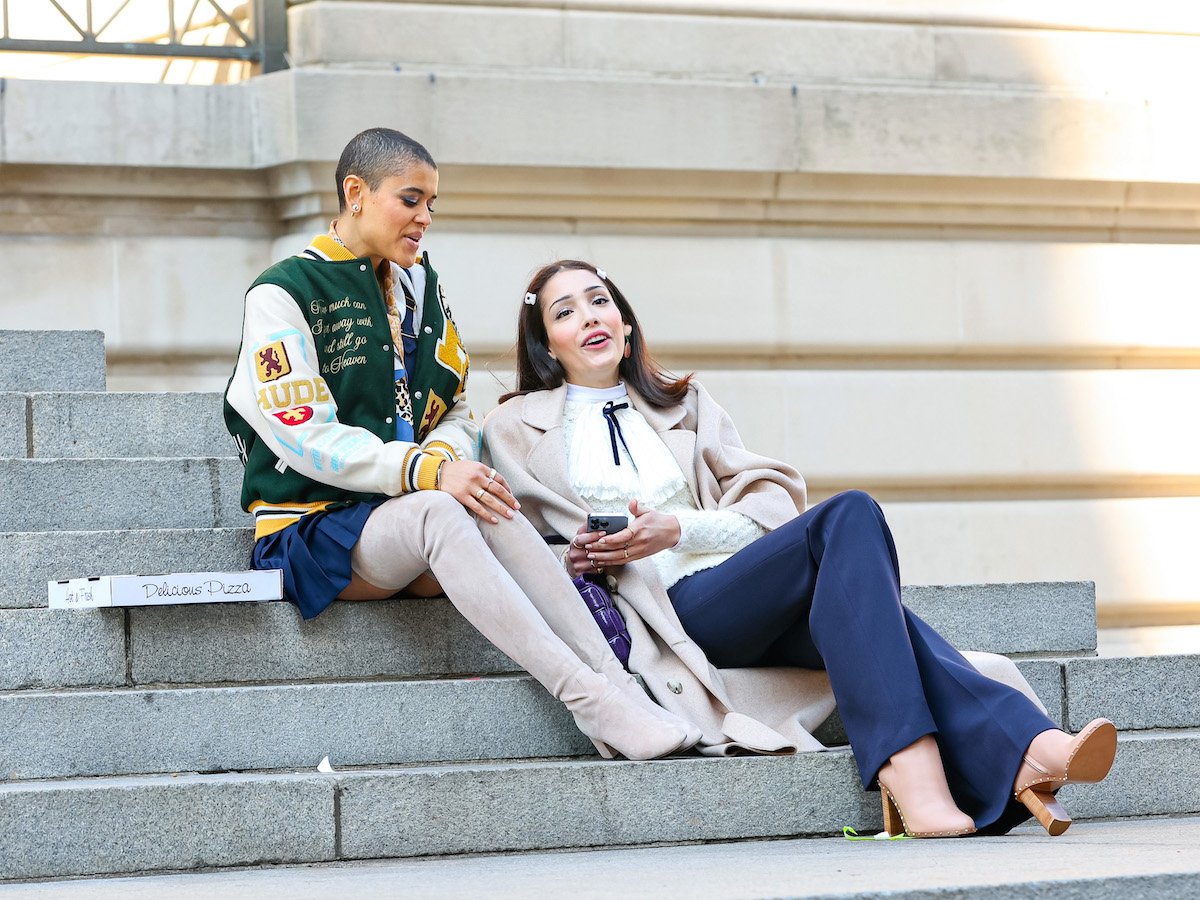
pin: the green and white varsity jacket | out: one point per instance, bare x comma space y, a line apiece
312, 398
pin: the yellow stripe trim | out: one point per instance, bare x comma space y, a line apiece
263, 527
441, 447
405, 485
331, 248
427, 470
300, 508
276, 518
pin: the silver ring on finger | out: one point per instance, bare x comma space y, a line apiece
492, 475
482, 491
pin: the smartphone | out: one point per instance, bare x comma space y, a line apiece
607, 524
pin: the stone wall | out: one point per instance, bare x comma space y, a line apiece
943, 256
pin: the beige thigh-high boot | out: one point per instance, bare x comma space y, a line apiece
538, 571
430, 529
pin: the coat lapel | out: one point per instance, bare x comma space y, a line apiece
547, 460
680, 441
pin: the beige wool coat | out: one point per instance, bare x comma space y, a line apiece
755, 710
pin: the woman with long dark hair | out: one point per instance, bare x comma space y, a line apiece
739, 597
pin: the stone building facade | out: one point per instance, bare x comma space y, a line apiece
943, 255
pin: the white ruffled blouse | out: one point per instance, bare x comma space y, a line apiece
649, 474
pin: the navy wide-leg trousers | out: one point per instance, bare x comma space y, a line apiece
823, 591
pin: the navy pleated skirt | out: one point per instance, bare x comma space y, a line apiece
314, 554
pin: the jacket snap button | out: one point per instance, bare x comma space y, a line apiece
363, 267
388, 420
674, 687
417, 395
428, 330
386, 347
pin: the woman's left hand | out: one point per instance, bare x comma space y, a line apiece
648, 533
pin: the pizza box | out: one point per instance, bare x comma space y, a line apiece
165, 590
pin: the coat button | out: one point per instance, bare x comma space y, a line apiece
428, 330
386, 347
388, 420
417, 394
363, 267
674, 687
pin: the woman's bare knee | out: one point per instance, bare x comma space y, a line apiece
361, 589
424, 585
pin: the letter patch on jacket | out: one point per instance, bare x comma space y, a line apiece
297, 416
272, 362
434, 410
450, 352
292, 394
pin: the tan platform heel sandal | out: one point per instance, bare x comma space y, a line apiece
1090, 756
894, 823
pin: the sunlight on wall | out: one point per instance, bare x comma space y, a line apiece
141, 22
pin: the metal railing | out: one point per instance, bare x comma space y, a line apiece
256, 30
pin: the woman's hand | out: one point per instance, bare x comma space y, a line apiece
648, 533
481, 490
576, 558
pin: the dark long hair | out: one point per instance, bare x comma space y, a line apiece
537, 370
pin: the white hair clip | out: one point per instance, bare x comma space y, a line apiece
531, 298
603, 275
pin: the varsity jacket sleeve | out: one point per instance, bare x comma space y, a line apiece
456, 436
307, 436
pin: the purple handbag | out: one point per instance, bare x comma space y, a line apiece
607, 617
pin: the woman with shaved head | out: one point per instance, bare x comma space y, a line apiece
348, 404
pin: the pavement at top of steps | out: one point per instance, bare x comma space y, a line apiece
1126, 859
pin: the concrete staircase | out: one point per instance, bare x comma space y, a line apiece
174, 738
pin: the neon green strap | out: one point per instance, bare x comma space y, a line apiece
851, 835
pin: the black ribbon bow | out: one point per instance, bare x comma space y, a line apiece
614, 429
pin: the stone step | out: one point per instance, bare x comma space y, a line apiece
29, 559
944, 541
269, 642
970, 429
1137, 692
1027, 864
146, 823
51, 360
127, 424
108, 494
134, 730
14, 436
228, 729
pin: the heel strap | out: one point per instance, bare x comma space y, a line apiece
1043, 776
